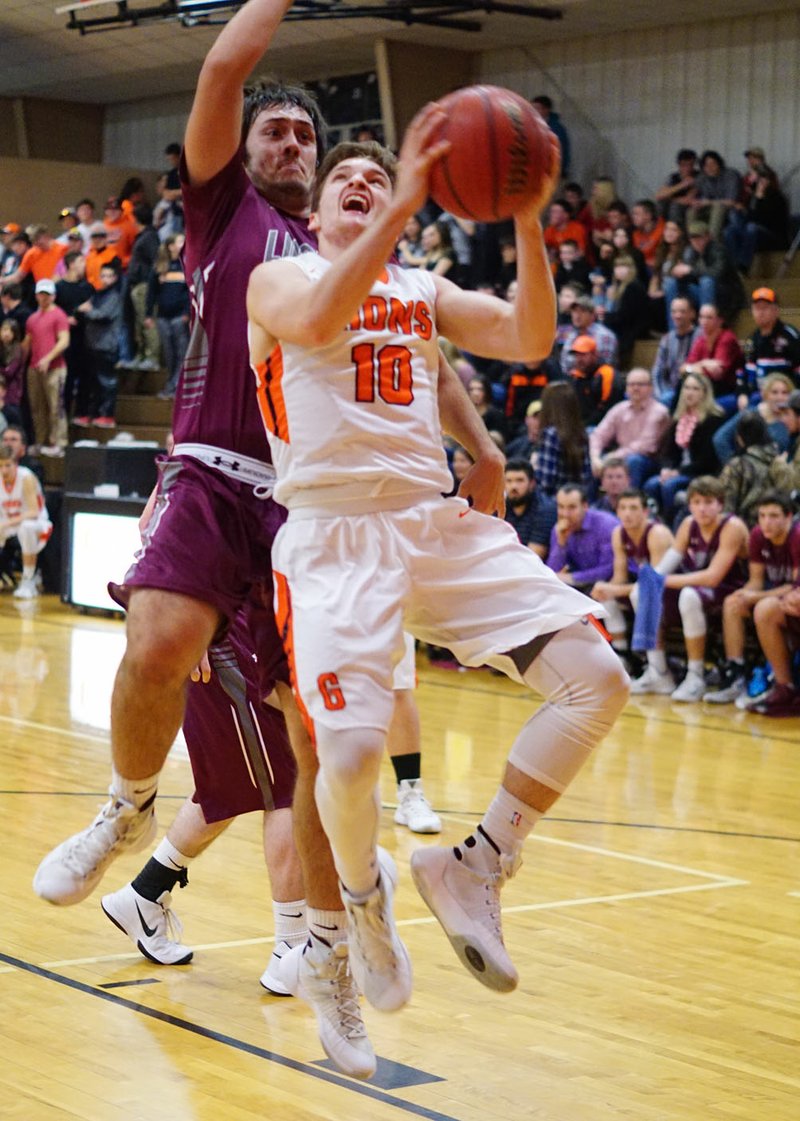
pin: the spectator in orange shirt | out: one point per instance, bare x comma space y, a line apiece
121, 231
100, 253
648, 230
562, 227
40, 260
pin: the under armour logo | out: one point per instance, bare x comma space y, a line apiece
220, 461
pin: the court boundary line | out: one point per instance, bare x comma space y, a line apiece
296, 1065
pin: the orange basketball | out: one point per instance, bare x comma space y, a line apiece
501, 148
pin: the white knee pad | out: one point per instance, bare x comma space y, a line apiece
693, 618
585, 688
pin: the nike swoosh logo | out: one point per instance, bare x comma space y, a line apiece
299, 915
149, 930
323, 927
177, 867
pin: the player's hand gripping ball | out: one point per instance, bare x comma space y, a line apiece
501, 151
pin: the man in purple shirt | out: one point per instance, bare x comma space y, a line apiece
580, 544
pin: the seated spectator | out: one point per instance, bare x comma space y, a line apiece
601, 196
673, 351
772, 409
14, 306
103, 313
462, 238
7, 235
573, 193
580, 542
582, 316
707, 274
761, 224
717, 354
523, 446
621, 244
773, 348
718, 190
777, 620
755, 469
46, 340
479, 389
461, 463
562, 227
409, 247
167, 298
566, 298
544, 107
12, 368
634, 429
23, 515
507, 273
614, 480
648, 230
774, 566
440, 257
791, 418
669, 253
628, 311
679, 187
532, 514
706, 564
572, 266
40, 260
687, 449
639, 539
756, 162
562, 455
596, 384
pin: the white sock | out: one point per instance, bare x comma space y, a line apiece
290, 921
506, 823
140, 792
697, 667
28, 571
327, 927
657, 660
170, 857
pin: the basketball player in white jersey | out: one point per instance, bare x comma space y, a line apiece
23, 515
345, 351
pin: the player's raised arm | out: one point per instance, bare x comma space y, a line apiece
518, 332
214, 128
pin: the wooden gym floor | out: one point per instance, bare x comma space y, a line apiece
654, 924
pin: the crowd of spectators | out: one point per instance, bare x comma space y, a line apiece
100, 293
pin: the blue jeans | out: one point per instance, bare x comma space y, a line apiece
700, 291
664, 493
640, 468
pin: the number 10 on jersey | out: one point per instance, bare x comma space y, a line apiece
387, 372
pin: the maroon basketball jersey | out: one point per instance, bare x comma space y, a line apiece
700, 553
230, 228
637, 554
780, 561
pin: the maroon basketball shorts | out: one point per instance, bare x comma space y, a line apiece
238, 746
210, 537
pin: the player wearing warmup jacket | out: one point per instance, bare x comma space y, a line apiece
247, 171
23, 515
343, 336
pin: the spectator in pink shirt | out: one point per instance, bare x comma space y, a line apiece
633, 428
46, 339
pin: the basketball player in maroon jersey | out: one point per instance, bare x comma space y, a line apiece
638, 539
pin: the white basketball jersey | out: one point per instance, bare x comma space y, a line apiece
11, 500
354, 425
